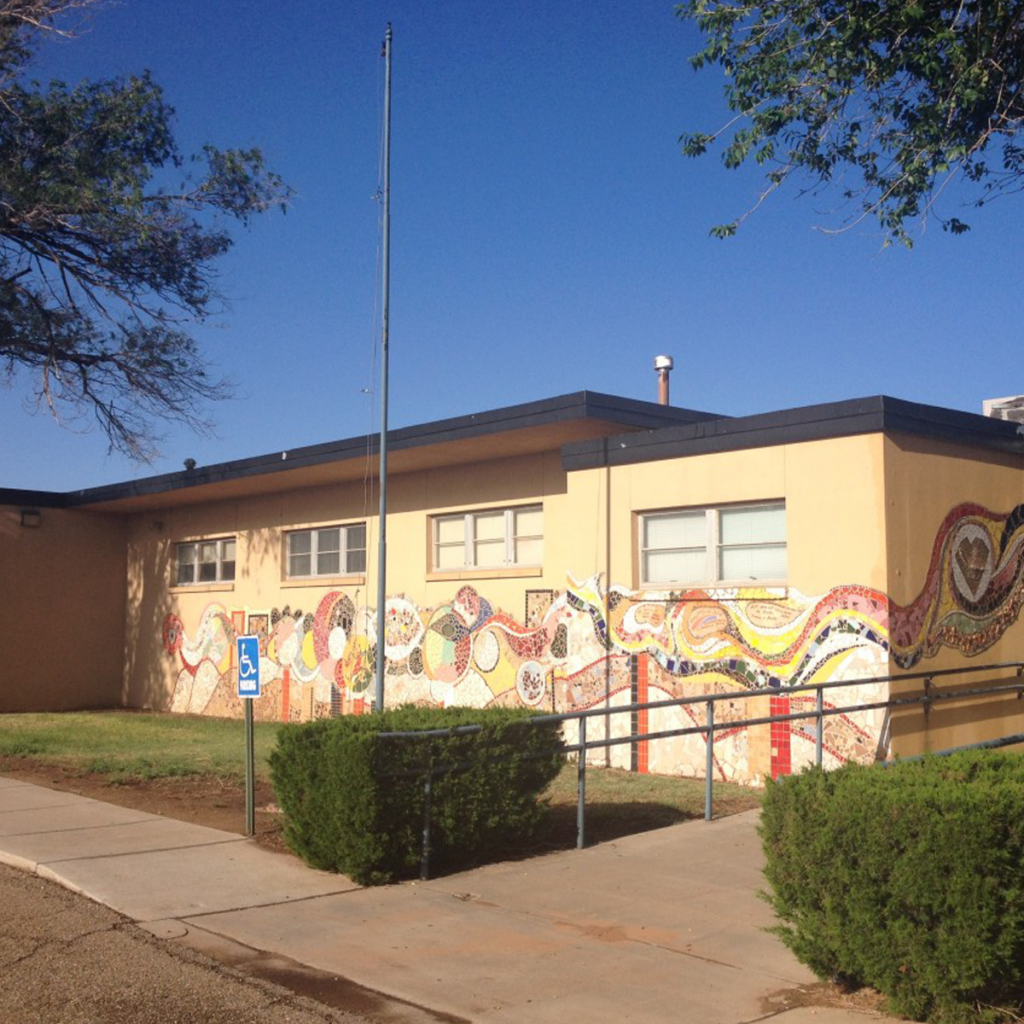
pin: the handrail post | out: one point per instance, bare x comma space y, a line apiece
581, 785
709, 768
819, 741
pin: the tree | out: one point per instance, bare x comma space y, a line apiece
105, 262
888, 101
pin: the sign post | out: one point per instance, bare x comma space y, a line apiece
248, 652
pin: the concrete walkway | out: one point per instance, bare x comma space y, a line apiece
663, 926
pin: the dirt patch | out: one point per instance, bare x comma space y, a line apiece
199, 799
825, 993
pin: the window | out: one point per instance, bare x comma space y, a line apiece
332, 551
205, 561
491, 539
732, 544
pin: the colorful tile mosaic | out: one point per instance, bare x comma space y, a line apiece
593, 647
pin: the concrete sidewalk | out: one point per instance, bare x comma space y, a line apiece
663, 926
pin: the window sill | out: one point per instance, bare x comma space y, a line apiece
517, 572
721, 585
202, 588
326, 581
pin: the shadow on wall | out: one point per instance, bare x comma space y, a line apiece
64, 599
149, 602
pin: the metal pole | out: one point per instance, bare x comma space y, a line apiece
709, 767
581, 786
250, 772
820, 739
425, 854
382, 558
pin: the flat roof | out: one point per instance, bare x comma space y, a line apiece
880, 414
512, 430
590, 429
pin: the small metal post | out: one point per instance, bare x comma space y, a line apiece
709, 769
425, 856
250, 772
581, 786
820, 738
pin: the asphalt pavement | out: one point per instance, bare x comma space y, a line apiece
660, 927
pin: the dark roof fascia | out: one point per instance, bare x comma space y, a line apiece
578, 405
790, 426
32, 499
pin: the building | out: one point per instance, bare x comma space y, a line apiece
582, 551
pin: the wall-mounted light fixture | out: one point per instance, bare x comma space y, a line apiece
30, 517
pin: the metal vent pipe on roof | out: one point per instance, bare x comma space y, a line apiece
663, 366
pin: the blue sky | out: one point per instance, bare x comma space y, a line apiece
547, 235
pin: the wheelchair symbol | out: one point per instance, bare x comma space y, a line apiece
246, 665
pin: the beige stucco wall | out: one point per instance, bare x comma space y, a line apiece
833, 491
62, 603
835, 524
259, 524
925, 480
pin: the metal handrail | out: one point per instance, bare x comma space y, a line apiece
927, 698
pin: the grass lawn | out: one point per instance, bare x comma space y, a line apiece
130, 747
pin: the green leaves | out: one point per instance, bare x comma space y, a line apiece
109, 240
901, 96
905, 878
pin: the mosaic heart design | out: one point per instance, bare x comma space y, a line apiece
972, 559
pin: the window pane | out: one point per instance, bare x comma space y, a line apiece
227, 550
327, 540
529, 552
529, 522
300, 543
489, 526
450, 530
355, 544
766, 523
452, 557
764, 562
207, 572
186, 564
675, 566
300, 565
489, 552
675, 530
227, 570
328, 563
208, 552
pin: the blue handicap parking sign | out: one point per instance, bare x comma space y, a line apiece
248, 666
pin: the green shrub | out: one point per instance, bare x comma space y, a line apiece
354, 799
909, 879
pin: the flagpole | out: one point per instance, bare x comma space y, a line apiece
382, 559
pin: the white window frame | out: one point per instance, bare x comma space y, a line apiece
343, 551
220, 562
712, 546
469, 538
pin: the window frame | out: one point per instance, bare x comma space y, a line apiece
220, 580
712, 546
470, 541
344, 552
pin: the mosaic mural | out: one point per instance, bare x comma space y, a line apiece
592, 646
973, 589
